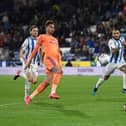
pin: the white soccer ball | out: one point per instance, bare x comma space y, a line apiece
104, 59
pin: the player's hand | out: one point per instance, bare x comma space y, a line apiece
27, 65
23, 60
41, 64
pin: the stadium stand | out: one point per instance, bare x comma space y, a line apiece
83, 29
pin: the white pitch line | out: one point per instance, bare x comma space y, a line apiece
1, 105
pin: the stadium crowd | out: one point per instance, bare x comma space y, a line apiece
82, 26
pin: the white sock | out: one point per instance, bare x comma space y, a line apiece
27, 88
24, 75
52, 92
99, 82
124, 81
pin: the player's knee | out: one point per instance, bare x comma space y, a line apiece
48, 79
123, 69
60, 72
46, 82
30, 80
34, 82
106, 77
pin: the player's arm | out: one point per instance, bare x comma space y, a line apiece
22, 58
124, 42
40, 56
23, 50
114, 50
35, 50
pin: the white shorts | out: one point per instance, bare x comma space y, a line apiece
33, 69
111, 67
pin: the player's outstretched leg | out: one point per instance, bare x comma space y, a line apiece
99, 82
41, 87
17, 74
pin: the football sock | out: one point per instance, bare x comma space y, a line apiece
23, 75
99, 82
27, 88
124, 81
40, 89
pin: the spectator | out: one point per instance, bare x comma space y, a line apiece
69, 64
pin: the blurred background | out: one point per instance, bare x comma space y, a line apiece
83, 28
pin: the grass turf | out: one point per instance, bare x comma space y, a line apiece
77, 106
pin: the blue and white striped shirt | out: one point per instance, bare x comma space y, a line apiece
118, 57
28, 46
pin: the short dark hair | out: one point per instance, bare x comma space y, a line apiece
48, 22
32, 26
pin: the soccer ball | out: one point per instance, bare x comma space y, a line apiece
104, 59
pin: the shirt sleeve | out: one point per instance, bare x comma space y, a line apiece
122, 39
35, 50
40, 40
112, 44
24, 46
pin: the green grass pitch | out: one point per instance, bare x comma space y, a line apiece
77, 106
